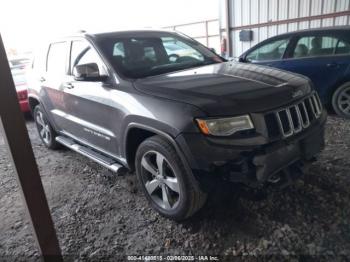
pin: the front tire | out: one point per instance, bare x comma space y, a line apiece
46, 133
341, 101
169, 187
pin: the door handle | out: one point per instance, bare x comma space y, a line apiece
68, 85
42, 79
332, 65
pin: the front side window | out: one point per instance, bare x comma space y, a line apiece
119, 49
311, 46
272, 51
138, 57
83, 53
56, 59
150, 53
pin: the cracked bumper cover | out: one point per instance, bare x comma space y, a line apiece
244, 162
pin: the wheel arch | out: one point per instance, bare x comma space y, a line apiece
33, 102
136, 133
334, 88
334, 91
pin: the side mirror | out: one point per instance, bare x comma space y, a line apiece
213, 50
242, 60
88, 72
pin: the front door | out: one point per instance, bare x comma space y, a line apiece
88, 117
269, 53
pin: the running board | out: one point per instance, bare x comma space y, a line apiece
105, 161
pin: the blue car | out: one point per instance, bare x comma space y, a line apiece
322, 54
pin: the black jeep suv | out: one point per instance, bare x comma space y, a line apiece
167, 107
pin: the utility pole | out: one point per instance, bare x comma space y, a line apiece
13, 128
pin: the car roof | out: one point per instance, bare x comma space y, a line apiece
124, 32
117, 33
314, 30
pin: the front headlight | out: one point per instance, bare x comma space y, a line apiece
225, 126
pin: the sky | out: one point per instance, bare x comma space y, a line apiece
25, 23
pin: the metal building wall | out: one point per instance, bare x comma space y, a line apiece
268, 18
205, 32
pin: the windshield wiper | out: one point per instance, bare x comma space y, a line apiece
174, 67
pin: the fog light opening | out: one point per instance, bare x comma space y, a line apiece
275, 178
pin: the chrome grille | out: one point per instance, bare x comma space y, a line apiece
295, 118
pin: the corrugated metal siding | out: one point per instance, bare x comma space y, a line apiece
293, 9
273, 10
264, 11
304, 8
283, 9
255, 12
246, 11
254, 18
316, 7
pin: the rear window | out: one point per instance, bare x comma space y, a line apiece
56, 59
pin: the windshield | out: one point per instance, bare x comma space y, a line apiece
139, 57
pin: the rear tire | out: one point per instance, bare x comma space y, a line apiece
341, 101
169, 187
46, 132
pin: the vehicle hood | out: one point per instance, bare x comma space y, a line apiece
228, 88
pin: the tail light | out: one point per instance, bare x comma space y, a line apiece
22, 95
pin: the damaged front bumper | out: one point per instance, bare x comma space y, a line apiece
279, 162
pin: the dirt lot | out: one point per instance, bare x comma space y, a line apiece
98, 215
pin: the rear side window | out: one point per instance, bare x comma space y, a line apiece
320, 46
39, 62
271, 51
56, 59
40, 58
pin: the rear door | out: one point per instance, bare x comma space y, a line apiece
322, 58
51, 81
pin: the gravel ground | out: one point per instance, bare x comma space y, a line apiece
99, 215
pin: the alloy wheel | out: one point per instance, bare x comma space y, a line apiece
160, 180
43, 127
344, 101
